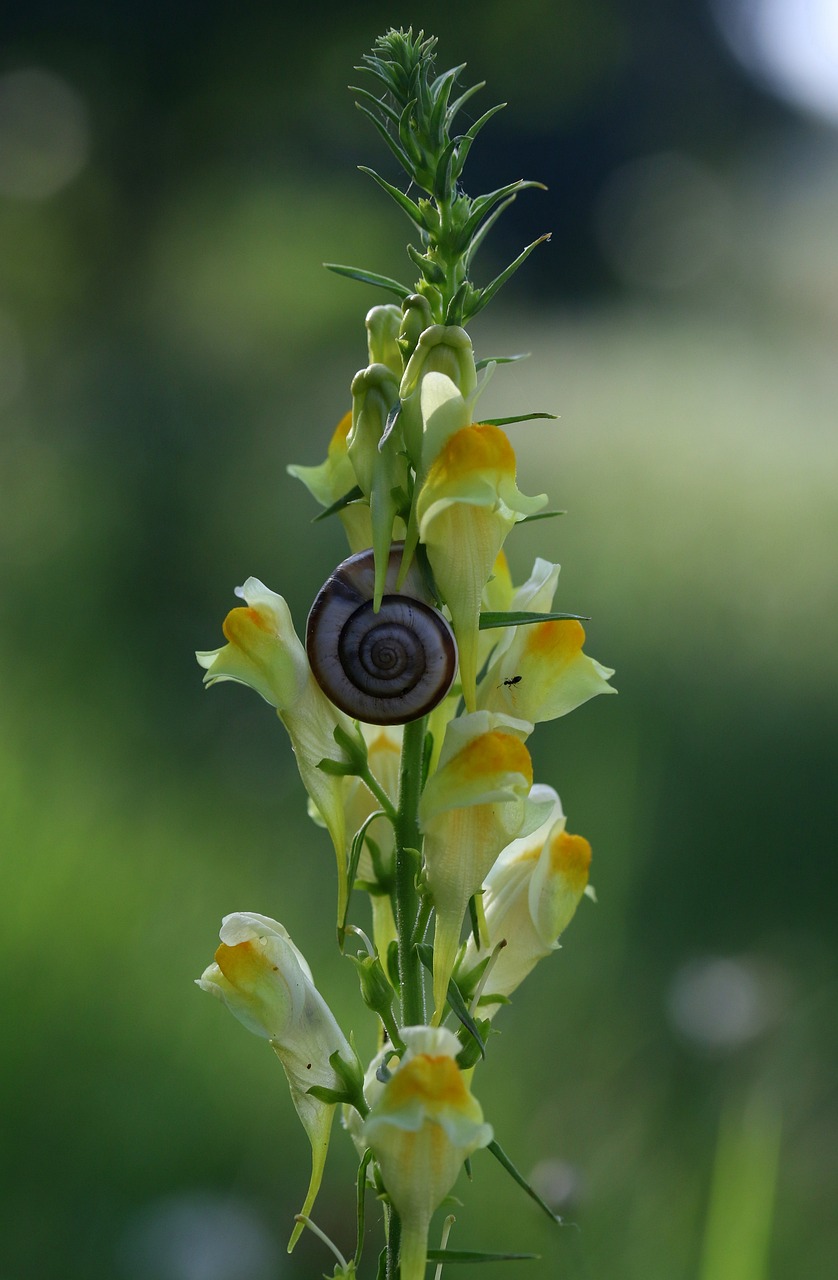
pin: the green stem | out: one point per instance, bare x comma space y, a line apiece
406, 895
394, 1239
372, 784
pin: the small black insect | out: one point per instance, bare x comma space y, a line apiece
510, 681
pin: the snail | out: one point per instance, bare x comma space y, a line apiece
387, 667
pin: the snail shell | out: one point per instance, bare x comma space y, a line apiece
387, 667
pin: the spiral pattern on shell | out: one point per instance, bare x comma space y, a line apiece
387, 667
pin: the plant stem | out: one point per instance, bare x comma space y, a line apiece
394, 1239
406, 896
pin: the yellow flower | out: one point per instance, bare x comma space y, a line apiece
333, 479
467, 506
264, 652
538, 671
423, 1125
471, 808
266, 983
530, 896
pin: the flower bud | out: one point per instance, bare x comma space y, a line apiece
266, 983
379, 463
530, 896
424, 1123
383, 326
442, 349
416, 318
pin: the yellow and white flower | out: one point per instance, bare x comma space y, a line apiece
264, 980
538, 671
472, 807
424, 1123
466, 506
332, 480
530, 896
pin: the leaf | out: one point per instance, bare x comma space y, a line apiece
361, 1204
490, 620
481, 206
541, 515
404, 202
472, 1255
355, 856
369, 277
518, 417
499, 281
460, 1010
502, 1158
487, 360
485, 227
352, 496
403, 159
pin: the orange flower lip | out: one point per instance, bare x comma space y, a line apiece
240, 963
475, 448
493, 753
571, 857
435, 1081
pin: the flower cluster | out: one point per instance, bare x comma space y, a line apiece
409, 707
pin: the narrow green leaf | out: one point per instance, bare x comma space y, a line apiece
491, 289
369, 277
392, 143
406, 137
361, 1204
460, 1010
471, 134
490, 620
541, 515
481, 206
471, 1255
322, 1094
502, 1158
338, 768
487, 360
352, 496
376, 104
518, 417
460, 102
441, 93
404, 202
355, 856
484, 229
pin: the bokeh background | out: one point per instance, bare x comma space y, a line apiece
171, 178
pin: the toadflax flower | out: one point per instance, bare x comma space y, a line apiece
264, 652
475, 803
538, 671
467, 504
423, 1124
530, 897
265, 982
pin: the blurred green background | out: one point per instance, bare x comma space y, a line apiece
171, 178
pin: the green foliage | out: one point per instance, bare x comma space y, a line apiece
415, 115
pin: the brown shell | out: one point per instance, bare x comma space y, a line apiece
382, 668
